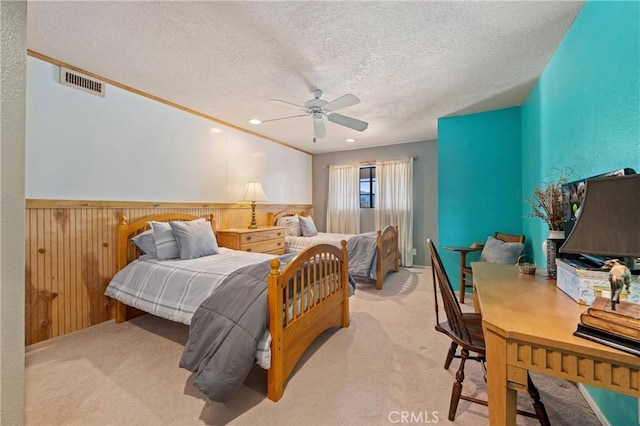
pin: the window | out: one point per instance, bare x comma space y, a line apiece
367, 187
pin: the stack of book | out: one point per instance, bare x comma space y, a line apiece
619, 329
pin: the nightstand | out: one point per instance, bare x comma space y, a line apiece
265, 239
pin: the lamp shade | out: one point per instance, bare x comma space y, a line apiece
609, 223
253, 192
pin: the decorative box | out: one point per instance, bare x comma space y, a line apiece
584, 285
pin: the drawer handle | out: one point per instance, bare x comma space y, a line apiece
279, 233
248, 249
279, 244
248, 238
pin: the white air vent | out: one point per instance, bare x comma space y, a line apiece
81, 81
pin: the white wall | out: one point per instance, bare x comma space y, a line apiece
126, 147
13, 16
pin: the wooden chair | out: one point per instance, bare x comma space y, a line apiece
467, 273
465, 330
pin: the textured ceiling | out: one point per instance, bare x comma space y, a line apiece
408, 62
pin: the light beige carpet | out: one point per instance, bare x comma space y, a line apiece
386, 368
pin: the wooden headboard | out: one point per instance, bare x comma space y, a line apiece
127, 251
273, 217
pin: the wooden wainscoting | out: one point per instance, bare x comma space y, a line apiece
71, 256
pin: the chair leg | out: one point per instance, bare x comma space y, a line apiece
450, 355
457, 385
538, 406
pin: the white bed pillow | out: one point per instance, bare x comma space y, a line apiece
166, 243
293, 228
308, 226
291, 225
282, 221
195, 238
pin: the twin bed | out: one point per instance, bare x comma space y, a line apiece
306, 293
372, 255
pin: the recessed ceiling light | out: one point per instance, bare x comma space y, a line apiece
215, 130
255, 121
350, 140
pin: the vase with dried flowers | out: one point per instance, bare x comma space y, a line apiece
546, 204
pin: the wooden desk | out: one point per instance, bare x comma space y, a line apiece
463, 262
528, 324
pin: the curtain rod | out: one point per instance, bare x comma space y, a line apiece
414, 158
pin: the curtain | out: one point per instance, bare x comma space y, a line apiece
394, 197
343, 204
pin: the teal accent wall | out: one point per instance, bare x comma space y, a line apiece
479, 181
618, 409
584, 113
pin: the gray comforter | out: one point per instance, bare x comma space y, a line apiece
225, 330
362, 254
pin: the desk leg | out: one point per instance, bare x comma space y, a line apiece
476, 302
463, 262
502, 400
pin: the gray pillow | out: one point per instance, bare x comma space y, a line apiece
146, 243
166, 244
496, 251
195, 238
308, 227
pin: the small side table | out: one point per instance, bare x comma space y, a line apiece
264, 239
463, 262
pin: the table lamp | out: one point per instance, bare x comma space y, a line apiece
609, 224
253, 192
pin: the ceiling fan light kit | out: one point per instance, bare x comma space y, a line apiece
318, 108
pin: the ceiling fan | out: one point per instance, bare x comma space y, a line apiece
319, 108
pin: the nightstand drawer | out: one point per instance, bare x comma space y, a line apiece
263, 246
258, 236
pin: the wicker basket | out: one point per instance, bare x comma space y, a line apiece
525, 267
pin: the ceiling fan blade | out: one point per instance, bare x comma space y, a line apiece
342, 102
352, 123
319, 130
279, 101
284, 118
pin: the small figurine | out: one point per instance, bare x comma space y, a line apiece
619, 276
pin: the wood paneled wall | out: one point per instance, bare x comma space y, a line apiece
71, 256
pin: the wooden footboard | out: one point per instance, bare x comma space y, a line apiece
316, 287
387, 249
386, 246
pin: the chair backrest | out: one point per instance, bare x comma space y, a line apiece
450, 303
509, 238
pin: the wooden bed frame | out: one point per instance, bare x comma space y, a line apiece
386, 246
292, 334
